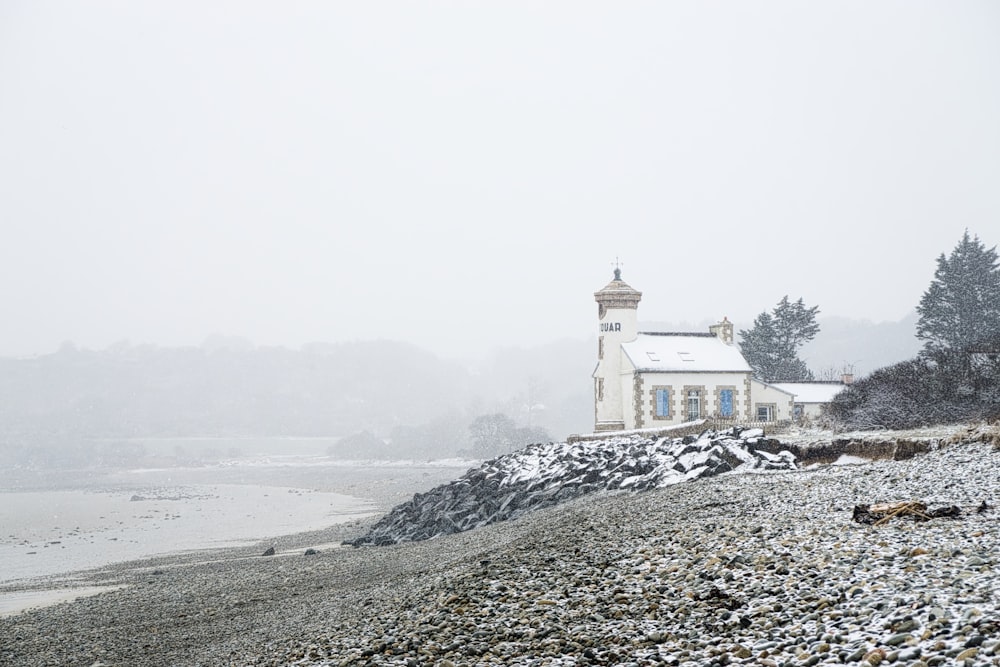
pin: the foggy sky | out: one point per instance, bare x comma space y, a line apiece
462, 175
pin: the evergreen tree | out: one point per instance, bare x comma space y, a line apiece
771, 346
758, 346
961, 308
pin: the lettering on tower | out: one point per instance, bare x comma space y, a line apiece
611, 326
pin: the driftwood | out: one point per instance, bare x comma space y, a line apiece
879, 514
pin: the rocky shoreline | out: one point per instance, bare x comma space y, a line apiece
764, 569
545, 475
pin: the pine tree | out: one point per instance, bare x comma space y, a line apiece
795, 325
758, 346
961, 308
771, 346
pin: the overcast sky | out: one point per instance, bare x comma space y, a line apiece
462, 175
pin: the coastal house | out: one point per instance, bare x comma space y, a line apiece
806, 399
650, 379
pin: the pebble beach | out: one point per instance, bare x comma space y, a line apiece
759, 569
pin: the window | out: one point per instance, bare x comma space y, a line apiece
726, 403
765, 412
662, 403
693, 404
798, 411
600, 389
600, 347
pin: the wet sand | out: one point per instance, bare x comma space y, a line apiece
55, 524
49, 532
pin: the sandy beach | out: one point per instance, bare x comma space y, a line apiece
766, 569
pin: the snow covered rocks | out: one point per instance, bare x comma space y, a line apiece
543, 475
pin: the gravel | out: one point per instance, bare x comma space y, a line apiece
763, 569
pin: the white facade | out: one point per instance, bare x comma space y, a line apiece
771, 403
674, 378
664, 399
808, 398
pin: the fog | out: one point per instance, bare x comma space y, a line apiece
461, 177
254, 220
245, 242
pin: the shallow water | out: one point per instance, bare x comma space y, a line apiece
53, 532
57, 522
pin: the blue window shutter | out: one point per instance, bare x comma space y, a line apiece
726, 402
662, 403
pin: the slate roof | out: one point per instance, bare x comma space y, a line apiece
684, 352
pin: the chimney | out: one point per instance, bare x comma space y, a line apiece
847, 378
723, 331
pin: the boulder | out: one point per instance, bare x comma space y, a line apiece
544, 475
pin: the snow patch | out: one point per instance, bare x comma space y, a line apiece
544, 475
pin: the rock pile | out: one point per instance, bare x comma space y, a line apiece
544, 475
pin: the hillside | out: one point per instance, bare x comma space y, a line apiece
49, 404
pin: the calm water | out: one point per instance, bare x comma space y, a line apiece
59, 521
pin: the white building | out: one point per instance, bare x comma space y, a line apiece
808, 398
647, 379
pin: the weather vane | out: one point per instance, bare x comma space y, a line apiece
618, 268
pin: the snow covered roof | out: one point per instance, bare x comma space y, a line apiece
684, 352
811, 392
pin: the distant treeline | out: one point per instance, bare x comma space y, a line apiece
413, 400
141, 391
